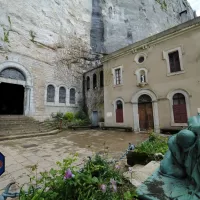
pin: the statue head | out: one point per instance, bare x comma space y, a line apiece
185, 138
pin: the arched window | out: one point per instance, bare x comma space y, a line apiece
179, 108
119, 112
94, 81
72, 96
12, 73
144, 99
88, 83
50, 93
101, 78
62, 95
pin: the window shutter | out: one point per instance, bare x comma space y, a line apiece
119, 116
180, 113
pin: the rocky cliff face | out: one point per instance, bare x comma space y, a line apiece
35, 28
124, 22
106, 25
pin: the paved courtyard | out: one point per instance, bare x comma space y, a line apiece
45, 151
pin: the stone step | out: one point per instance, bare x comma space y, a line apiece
137, 167
20, 136
24, 126
14, 126
17, 120
140, 173
14, 117
26, 131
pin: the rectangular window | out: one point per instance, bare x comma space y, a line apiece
174, 62
118, 78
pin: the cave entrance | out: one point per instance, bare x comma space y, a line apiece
12, 99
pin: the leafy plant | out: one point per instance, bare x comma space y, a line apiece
81, 115
6, 35
155, 144
33, 35
96, 180
58, 119
69, 116
163, 4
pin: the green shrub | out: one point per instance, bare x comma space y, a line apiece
58, 119
57, 116
101, 119
69, 116
81, 115
97, 180
155, 144
79, 122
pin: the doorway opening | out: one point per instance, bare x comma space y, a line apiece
119, 112
12, 99
145, 110
94, 118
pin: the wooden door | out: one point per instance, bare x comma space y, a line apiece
145, 116
119, 112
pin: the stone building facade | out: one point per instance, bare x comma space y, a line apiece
94, 94
154, 83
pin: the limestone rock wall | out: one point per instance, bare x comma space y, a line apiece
34, 34
128, 21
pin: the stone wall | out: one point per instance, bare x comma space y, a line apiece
94, 96
126, 22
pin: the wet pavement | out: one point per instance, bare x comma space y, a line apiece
21, 154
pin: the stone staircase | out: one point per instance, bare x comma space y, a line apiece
141, 172
14, 127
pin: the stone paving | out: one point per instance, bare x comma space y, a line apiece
45, 151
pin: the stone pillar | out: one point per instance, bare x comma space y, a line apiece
27, 100
136, 125
156, 117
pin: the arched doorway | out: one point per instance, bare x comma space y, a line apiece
145, 111
15, 89
12, 95
119, 112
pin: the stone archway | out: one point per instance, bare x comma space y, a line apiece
14, 74
134, 101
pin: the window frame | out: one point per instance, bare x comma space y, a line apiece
94, 85
74, 96
59, 95
88, 83
187, 102
166, 57
54, 98
114, 75
101, 79
137, 57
